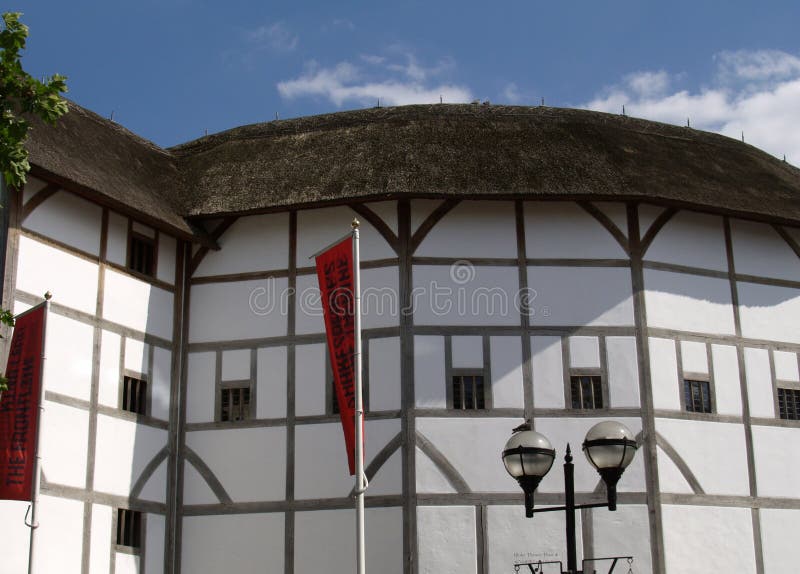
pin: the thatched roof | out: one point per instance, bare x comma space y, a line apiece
469, 151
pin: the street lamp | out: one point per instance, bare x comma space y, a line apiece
528, 456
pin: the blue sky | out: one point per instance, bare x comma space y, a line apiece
172, 69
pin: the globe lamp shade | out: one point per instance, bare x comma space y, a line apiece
528, 457
610, 447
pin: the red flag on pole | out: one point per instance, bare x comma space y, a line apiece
19, 406
335, 272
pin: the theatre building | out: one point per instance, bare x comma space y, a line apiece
551, 266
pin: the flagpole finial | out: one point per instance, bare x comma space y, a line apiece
48, 295
356, 223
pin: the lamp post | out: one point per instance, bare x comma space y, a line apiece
528, 456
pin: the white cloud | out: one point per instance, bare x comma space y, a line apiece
511, 93
275, 36
752, 92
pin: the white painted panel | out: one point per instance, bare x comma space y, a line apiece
473, 229
506, 362
117, 241
20, 307
467, 352
236, 365
195, 487
647, 215
786, 366
68, 348
715, 453
459, 439
154, 544
124, 448
692, 239
546, 235
465, 295
200, 388
32, 186
59, 538
389, 478
670, 478
233, 543
308, 306
138, 305
727, 386
780, 531
71, 280
325, 541
249, 463
664, 374
271, 383
100, 542
14, 541
320, 452
318, 228
446, 539
69, 219
694, 357
584, 352
429, 478
384, 374
310, 383
160, 386
421, 209
625, 532
143, 229
167, 252
581, 296
769, 312
759, 383
688, 302
65, 436
616, 212
548, 372
155, 489
137, 356
429, 372
708, 539
253, 243
777, 458
125, 563
387, 211
238, 310
759, 250
623, 372
108, 392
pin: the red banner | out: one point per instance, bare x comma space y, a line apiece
336, 285
19, 404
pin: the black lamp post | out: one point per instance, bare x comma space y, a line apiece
528, 456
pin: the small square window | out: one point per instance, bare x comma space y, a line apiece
468, 392
142, 254
586, 391
235, 404
129, 528
789, 404
697, 396
134, 395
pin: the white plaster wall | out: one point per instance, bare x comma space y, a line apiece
596, 296
623, 372
167, 254
421, 209
320, 452
310, 381
154, 544
254, 243
759, 383
143, 229
786, 366
325, 541
446, 539
65, 436
780, 530
71, 280
727, 386
125, 563
647, 215
708, 539
318, 228
200, 388
155, 489
249, 463
59, 538
691, 239
429, 478
694, 357
548, 372
109, 381
386, 479
138, 305
545, 237
117, 240
777, 460
429, 372
624, 532
473, 229
688, 302
233, 543
124, 448
714, 451
238, 310
506, 364
236, 365
195, 487
137, 356
160, 384
759, 250
100, 541
271, 381
30, 189
616, 212
473, 447
467, 352
14, 541
69, 219
387, 211
769, 312
384, 374
670, 477
584, 352
68, 348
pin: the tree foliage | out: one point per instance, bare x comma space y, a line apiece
20, 94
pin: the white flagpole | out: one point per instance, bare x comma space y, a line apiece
361, 482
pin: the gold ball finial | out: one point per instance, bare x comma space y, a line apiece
356, 223
48, 295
